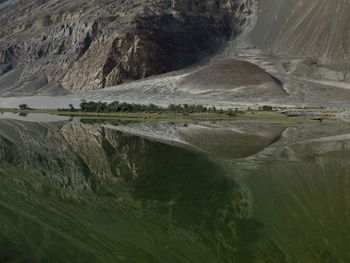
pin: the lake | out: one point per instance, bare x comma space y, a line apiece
75, 190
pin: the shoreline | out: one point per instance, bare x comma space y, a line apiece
275, 116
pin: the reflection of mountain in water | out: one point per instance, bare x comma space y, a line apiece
83, 193
300, 186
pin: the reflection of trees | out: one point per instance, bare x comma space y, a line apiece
23, 114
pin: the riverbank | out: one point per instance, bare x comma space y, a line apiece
277, 116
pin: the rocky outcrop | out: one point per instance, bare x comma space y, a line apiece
88, 45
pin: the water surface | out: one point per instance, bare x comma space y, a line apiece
85, 191
40, 102
33, 117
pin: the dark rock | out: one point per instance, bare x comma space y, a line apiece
88, 45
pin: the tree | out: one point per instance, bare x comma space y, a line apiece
267, 108
113, 106
71, 108
24, 107
101, 106
83, 105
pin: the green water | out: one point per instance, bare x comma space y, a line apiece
76, 191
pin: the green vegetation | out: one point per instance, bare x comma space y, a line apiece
116, 106
266, 108
230, 112
251, 116
173, 113
23, 114
24, 107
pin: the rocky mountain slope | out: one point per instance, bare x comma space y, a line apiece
297, 51
84, 45
317, 29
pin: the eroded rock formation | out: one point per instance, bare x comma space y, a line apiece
86, 45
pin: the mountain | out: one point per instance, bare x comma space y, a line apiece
292, 52
85, 45
318, 29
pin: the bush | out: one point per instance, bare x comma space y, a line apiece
24, 107
266, 108
116, 106
71, 108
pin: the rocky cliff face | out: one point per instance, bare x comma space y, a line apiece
86, 45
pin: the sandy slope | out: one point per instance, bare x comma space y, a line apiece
295, 52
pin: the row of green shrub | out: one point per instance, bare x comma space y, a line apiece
116, 106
